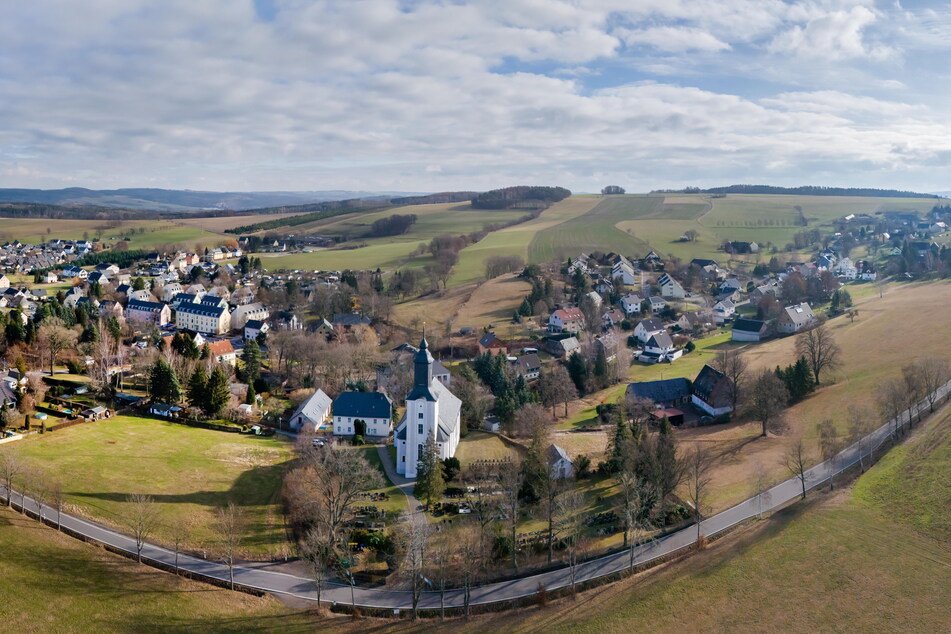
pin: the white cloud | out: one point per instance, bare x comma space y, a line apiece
377, 94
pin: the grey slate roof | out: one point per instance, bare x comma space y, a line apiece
362, 405
663, 391
207, 310
748, 325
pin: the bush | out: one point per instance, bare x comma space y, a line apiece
358, 440
451, 468
690, 347
582, 467
75, 367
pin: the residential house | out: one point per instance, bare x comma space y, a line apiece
795, 319
324, 329
223, 351
96, 277
4, 282
148, 312
845, 269
143, 295
527, 366
349, 320
562, 348
723, 311
109, 309
204, 317
647, 328
490, 343
867, 271
560, 466
595, 299
48, 278
607, 343
612, 318
670, 288
712, 392
441, 373
659, 349
749, 330
731, 284
631, 303
374, 408
566, 320
255, 327
313, 413
72, 271
170, 290
245, 312
664, 394
579, 264
695, 322
624, 271
656, 303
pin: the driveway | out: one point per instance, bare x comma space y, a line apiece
403, 484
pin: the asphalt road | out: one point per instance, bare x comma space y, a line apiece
303, 588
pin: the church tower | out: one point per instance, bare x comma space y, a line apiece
422, 408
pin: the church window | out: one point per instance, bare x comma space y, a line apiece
420, 415
419, 428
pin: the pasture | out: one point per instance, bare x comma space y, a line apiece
188, 472
58, 584
221, 224
153, 232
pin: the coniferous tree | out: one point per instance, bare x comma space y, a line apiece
430, 480
251, 357
218, 392
198, 388
250, 397
163, 382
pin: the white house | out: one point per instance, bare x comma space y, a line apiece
566, 320
646, 328
246, 312
659, 348
670, 288
624, 271
312, 413
631, 303
846, 269
867, 271
723, 311
375, 409
795, 318
432, 413
749, 330
559, 464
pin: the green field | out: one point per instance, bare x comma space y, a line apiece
189, 473
156, 232
54, 583
390, 252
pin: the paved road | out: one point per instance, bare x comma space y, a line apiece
277, 582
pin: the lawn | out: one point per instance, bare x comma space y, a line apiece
480, 445
189, 473
54, 583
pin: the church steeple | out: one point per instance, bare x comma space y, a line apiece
422, 367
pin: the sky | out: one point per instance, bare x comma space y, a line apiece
426, 95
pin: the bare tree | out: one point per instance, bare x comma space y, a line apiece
178, 531
532, 421
484, 503
819, 348
230, 526
860, 426
914, 389
471, 557
934, 372
40, 492
414, 536
10, 467
511, 478
891, 402
795, 461
58, 500
571, 527
767, 400
830, 444
141, 520
327, 485
732, 364
318, 550
760, 484
53, 336
698, 462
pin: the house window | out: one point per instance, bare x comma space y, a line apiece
419, 428
349, 430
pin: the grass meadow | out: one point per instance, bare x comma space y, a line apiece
156, 232
189, 472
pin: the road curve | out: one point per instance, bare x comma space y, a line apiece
303, 588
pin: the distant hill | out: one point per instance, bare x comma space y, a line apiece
181, 200
806, 190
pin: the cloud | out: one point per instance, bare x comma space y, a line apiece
833, 36
380, 94
674, 39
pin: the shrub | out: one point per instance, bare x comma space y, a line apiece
358, 440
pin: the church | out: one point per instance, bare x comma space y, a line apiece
432, 411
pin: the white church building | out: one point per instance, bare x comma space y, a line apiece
432, 411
